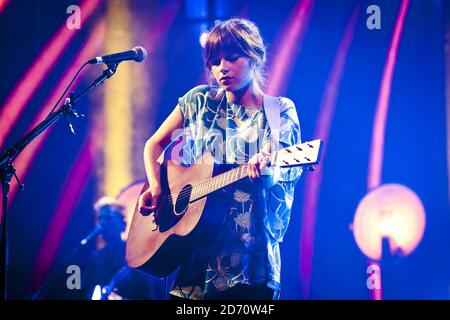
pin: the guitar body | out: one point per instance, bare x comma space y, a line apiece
158, 243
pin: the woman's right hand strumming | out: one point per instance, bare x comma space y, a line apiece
149, 199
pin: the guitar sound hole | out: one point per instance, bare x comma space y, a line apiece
182, 201
170, 213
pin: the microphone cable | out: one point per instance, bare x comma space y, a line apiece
67, 88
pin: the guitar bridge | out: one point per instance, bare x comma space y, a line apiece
155, 222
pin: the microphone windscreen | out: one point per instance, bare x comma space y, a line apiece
141, 54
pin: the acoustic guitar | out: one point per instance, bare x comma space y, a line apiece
158, 243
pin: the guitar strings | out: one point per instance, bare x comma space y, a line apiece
227, 174
220, 178
223, 176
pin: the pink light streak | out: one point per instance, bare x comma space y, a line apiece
447, 98
154, 36
71, 193
160, 27
378, 132
26, 158
376, 151
289, 46
3, 4
313, 181
23, 92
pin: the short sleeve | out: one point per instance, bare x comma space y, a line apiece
191, 103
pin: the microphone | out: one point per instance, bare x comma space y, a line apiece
137, 54
98, 228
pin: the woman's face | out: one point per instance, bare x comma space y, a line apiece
232, 71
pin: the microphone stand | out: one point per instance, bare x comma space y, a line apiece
7, 170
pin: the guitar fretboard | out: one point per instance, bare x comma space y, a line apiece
218, 182
297, 155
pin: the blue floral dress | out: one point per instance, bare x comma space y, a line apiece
246, 250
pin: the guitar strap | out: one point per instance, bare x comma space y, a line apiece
272, 107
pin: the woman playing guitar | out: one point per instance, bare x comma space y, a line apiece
229, 119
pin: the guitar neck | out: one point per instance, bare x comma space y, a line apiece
218, 182
305, 154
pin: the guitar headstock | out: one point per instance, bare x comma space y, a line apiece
305, 154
